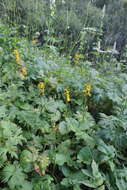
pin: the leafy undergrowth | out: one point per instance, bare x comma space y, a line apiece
62, 125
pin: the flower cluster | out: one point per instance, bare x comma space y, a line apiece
41, 86
24, 71
34, 42
42, 163
77, 58
17, 56
87, 90
67, 95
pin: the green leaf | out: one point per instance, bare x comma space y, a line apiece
26, 159
93, 179
89, 183
61, 158
56, 116
64, 147
85, 155
72, 124
3, 111
11, 136
101, 187
90, 141
95, 169
87, 173
63, 128
13, 175
66, 171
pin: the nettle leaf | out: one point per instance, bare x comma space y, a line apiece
72, 124
44, 126
89, 183
85, 155
112, 165
90, 141
61, 158
95, 169
97, 175
87, 122
66, 171
75, 178
63, 128
106, 149
94, 178
52, 106
87, 173
64, 146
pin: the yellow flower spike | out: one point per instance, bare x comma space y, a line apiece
87, 90
34, 42
24, 71
41, 86
77, 58
67, 95
17, 56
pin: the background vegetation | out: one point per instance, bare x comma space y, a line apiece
66, 23
63, 95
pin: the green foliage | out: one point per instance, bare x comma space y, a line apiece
61, 22
62, 125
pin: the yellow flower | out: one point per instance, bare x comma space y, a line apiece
34, 42
24, 71
67, 95
87, 90
41, 86
77, 58
17, 56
